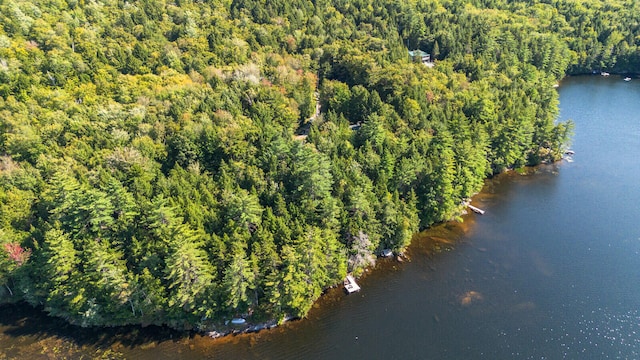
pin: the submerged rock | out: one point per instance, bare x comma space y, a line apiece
469, 297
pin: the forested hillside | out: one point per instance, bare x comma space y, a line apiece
162, 162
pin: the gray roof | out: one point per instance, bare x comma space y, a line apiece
418, 53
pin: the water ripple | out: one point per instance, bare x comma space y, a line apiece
603, 334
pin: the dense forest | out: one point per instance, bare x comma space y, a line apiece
165, 161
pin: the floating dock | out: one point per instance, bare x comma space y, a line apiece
476, 210
350, 285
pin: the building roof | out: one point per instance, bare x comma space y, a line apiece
418, 53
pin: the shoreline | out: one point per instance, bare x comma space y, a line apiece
228, 329
36, 324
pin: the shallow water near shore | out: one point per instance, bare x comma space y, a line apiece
550, 271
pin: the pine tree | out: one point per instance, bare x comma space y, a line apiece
189, 274
239, 280
62, 273
108, 284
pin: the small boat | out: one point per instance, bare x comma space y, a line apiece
627, 79
604, 73
238, 321
386, 253
476, 210
570, 152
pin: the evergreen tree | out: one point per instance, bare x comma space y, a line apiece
239, 280
189, 274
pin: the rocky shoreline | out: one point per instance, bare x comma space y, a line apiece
230, 329
246, 328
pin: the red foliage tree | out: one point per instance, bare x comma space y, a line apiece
17, 253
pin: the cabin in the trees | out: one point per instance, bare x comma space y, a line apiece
421, 56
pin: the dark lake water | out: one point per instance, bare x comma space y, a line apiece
551, 271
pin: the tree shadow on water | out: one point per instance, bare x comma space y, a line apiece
21, 321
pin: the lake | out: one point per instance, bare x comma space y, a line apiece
550, 271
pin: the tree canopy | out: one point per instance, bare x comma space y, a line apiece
165, 162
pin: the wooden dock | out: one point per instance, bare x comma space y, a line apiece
350, 285
476, 210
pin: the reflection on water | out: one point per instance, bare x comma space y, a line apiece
27, 333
